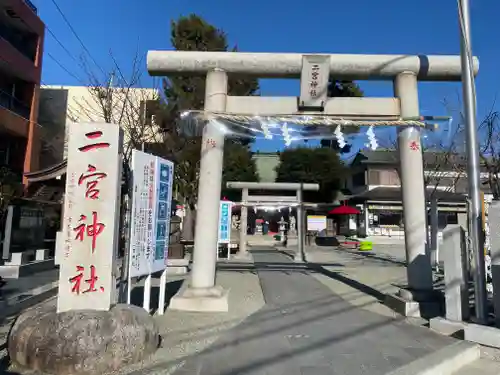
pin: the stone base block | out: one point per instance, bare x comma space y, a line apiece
20, 258
177, 270
201, 299
484, 335
415, 304
402, 306
15, 272
42, 254
81, 342
178, 266
242, 257
445, 326
299, 258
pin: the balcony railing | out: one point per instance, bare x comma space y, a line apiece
13, 104
31, 5
26, 44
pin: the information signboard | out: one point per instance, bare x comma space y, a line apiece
150, 219
316, 223
225, 222
163, 181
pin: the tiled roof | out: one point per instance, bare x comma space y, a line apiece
49, 173
387, 193
431, 158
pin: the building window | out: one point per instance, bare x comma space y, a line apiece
24, 41
374, 177
390, 218
358, 179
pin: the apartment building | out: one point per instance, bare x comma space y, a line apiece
21, 50
62, 105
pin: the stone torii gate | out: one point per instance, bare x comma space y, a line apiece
405, 71
247, 200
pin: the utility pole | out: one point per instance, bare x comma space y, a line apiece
475, 215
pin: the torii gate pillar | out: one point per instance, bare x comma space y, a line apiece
202, 293
419, 271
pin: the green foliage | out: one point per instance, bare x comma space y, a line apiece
182, 93
192, 33
312, 165
343, 89
238, 166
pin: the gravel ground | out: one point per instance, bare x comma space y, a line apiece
183, 333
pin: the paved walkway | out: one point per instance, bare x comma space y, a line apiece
305, 329
26, 283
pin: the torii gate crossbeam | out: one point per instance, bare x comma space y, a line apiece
405, 71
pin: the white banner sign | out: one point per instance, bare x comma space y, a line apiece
150, 220
91, 217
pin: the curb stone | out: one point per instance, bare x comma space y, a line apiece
15, 304
445, 361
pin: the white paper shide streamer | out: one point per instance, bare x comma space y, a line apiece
372, 139
286, 135
340, 137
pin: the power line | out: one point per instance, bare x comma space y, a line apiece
76, 35
62, 45
64, 68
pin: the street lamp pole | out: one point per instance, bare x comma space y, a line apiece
475, 218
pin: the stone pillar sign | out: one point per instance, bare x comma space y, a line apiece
87, 278
455, 273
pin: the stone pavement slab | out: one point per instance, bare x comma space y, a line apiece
26, 283
360, 278
27, 291
480, 367
305, 328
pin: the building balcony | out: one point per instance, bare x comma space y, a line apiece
15, 64
13, 104
22, 15
14, 116
25, 43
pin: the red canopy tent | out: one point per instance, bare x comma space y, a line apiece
344, 210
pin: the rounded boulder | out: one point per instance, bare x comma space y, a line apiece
82, 341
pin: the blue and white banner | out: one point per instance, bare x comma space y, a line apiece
164, 183
225, 211
150, 213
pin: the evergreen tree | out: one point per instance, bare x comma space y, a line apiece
182, 93
312, 165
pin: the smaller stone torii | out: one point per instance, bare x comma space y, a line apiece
247, 199
405, 71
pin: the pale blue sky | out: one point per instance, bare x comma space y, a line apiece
363, 26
